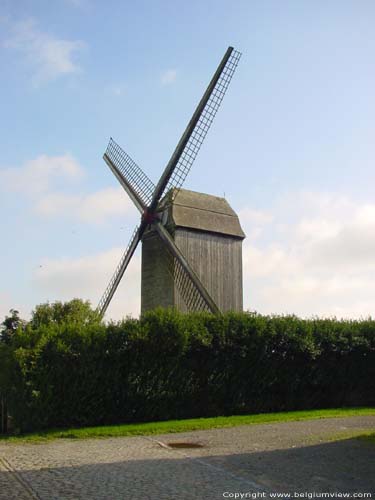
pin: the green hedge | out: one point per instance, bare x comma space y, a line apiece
168, 365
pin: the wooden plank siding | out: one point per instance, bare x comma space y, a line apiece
208, 232
157, 286
217, 260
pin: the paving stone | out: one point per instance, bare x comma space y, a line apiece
295, 456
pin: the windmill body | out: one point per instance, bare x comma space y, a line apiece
208, 232
191, 256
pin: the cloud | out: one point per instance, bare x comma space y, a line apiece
87, 277
48, 56
352, 248
38, 175
312, 254
316, 256
93, 208
44, 181
168, 77
255, 220
117, 89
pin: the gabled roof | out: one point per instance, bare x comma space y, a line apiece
201, 212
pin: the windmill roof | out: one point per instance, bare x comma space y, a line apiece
202, 212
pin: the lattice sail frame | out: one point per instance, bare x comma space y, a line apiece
134, 175
192, 298
205, 120
117, 275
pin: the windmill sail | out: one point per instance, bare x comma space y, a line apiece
119, 271
204, 122
189, 145
139, 187
192, 291
189, 292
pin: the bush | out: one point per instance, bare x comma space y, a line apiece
169, 365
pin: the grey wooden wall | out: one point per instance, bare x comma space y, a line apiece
157, 286
217, 260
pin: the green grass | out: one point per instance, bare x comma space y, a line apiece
348, 434
369, 437
174, 426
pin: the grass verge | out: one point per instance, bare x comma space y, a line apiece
174, 426
368, 437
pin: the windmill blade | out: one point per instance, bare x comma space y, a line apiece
188, 147
135, 182
188, 291
120, 269
188, 283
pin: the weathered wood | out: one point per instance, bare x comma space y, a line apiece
215, 257
217, 260
157, 285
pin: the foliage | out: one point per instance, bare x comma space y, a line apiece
8, 329
10, 325
6, 368
72, 370
75, 311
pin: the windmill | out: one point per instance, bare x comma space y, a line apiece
157, 228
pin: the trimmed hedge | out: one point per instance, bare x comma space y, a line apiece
169, 365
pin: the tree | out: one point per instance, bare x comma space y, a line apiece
8, 328
5, 383
10, 325
75, 311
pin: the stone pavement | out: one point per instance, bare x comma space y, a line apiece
287, 457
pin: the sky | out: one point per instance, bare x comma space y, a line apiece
291, 148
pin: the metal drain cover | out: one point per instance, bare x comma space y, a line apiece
181, 444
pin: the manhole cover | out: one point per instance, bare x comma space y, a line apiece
180, 444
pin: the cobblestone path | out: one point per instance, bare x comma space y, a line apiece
287, 457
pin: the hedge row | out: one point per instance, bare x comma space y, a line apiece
168, 366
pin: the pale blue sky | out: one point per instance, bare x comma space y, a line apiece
292, 146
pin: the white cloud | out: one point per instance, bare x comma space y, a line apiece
38, 175
321, 262
289, 273
258, 217
168, 77
255, 221
93, 208
314, 255
49, 56
87, 278
351, 249
117, 89
262, 262
44, 180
